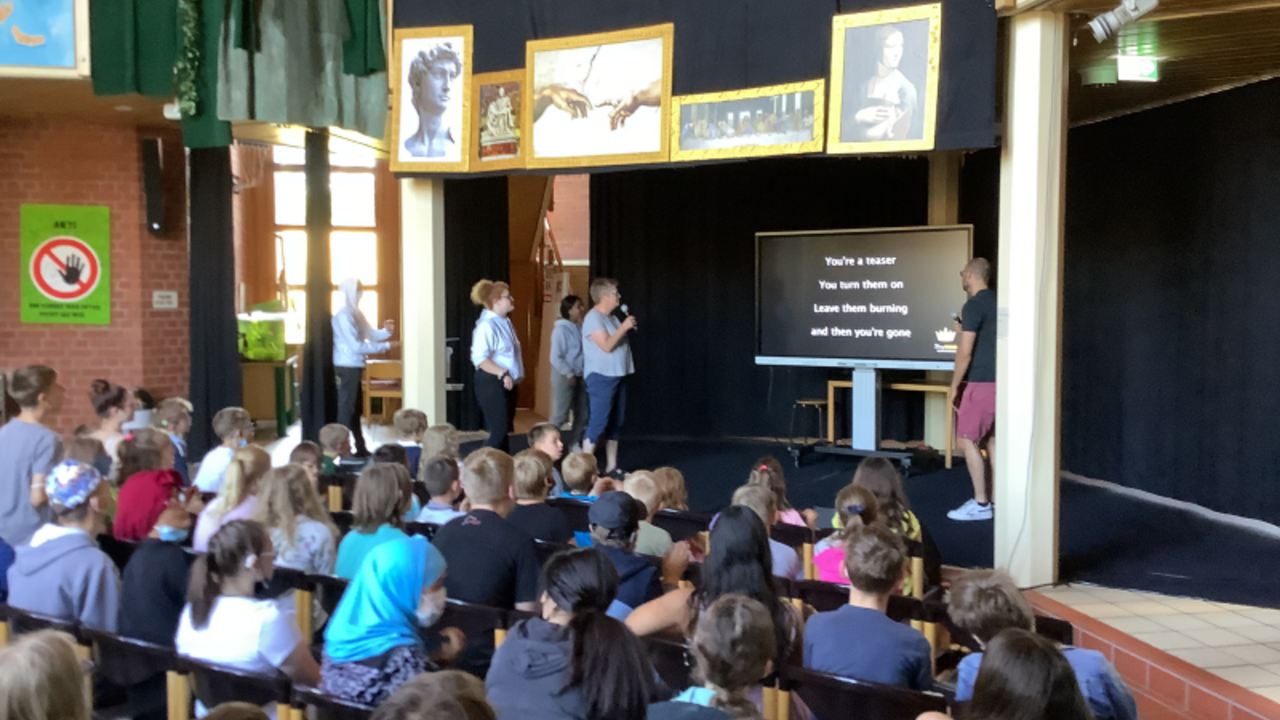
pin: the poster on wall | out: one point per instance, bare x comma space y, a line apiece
496, 116
602, 99
65, 258
774, 120
884, 80
431, 100
38, 34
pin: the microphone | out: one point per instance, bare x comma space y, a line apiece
623, 312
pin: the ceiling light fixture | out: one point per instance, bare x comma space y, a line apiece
1106, 24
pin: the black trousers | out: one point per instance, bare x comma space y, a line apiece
351, 404
499, 407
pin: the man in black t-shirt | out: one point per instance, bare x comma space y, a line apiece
493, 562
976, 403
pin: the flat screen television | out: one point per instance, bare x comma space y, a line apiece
876, 298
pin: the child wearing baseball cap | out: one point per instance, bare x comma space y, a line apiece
61, 572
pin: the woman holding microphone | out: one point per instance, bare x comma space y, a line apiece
495, 352
607, 363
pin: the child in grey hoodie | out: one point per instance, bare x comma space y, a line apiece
60, 572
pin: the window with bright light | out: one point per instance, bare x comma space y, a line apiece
353, 242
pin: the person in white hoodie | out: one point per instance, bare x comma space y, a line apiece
568, 391
353, 339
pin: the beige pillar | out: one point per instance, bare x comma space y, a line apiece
944, 209
1032, 178
422, 295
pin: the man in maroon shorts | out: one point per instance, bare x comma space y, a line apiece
976, 357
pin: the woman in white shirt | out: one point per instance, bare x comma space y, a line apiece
495, 352
223, 623
353, 339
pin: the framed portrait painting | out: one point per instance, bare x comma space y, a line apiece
774, 120
602, 99
884, 80
431, 100
495, 118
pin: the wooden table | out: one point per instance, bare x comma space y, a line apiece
949, 428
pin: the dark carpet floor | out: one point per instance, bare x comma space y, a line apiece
1106, 538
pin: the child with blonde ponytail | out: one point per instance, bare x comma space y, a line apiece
237, 495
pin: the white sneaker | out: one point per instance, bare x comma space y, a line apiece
971, 510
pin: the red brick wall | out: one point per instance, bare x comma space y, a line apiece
70, 163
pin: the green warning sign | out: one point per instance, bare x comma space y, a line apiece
66, 264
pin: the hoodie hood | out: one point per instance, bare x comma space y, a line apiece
566, 323
32, 561
543, 649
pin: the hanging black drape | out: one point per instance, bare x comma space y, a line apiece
319, 392
1171, 316
476, 246
681, 243
733, 44
215, 354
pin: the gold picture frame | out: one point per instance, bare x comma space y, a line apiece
490, 151
410, 150
899, 107
794, 108
601, 88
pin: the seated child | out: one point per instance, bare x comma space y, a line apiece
986, 602
60, 571
310, 458
859, 640
855, 508
672, 494
395, 454
767, 472
173, 417
412, 425
786, 561
234, 427
653, 540
532, 514
582, 477
546, 437
440, 475
732, 647
335, 442
880, 477
377, 513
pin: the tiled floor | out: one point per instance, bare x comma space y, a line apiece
1238, 643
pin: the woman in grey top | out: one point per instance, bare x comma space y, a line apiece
606, 354
568, 390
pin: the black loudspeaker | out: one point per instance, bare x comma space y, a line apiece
153, 184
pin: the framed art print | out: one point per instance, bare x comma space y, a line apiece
431, 100
774, 120
602, 99
884, 80
496, 116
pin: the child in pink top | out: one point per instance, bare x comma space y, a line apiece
856, 507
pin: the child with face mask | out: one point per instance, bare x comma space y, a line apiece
372, 644
153, 594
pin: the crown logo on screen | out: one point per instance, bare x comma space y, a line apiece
946, 335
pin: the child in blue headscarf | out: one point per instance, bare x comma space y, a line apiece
373, 642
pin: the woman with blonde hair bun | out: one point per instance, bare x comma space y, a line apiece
40, 679
237, 496
495, 352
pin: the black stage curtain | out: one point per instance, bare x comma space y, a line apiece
1170, 333
681, 243
319, 391
734, 44
476, 246
215, 353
